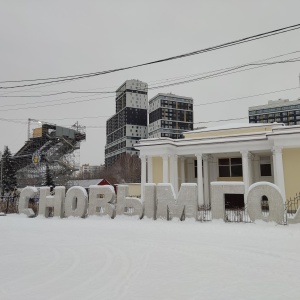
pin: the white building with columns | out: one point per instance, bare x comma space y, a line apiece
235, 152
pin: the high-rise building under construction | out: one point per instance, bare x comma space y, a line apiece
129, 123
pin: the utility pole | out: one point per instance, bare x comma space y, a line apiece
1, 174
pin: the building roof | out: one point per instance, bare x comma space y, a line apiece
255, 139
171, 95
275, 103
84, 183
234, 126
223, 136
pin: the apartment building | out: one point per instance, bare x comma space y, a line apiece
170, 115
129, 123
280, 111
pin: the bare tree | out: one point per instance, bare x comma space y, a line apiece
127, 168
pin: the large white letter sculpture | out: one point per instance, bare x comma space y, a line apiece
76, 202
218, 191
26, 194
101, 200
149, 197
129, 206
184, 206
157, 201
56, 202
275, 201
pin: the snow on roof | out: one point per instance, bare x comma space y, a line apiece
234, 126
83, 183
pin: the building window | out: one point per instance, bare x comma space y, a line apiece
265, 166
230, 167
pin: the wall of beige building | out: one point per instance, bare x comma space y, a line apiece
291, 168
188, 173
157, 169
134, 189
219, 133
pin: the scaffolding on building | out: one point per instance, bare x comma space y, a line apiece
52, 145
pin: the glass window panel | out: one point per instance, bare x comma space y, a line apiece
224, 171
236, 161
236, 171
223, 161
265, 170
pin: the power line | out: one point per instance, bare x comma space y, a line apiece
53, 101
12, 121
211, 121
96, 117
203, 104
203, 73
246, 97
87, 75
195, 105
58, 104
227, 71
51, 93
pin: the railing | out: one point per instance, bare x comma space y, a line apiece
237, 215
291, 206
9, 205
204, 213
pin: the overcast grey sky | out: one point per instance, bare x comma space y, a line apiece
56, 38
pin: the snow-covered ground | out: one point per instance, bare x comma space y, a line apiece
125, 258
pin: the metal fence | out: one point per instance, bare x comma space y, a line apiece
9, 205
292, 205
204, 213
237, 215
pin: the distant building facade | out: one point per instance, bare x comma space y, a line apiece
129, 123
280, 111
247, 153
170, 115
86, 183
90, 171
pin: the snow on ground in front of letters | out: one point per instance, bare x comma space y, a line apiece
125, 258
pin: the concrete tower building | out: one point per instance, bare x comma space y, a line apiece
129, 123
170, 115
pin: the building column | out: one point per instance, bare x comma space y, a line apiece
206, 178
256, 168
182, 170
190, 170
199, 179
213, 168
143, 169
150, 170
278, 170
274, 167
246, 170
174, 172
175, 175
165, 158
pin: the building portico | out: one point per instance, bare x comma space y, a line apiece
250, 154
